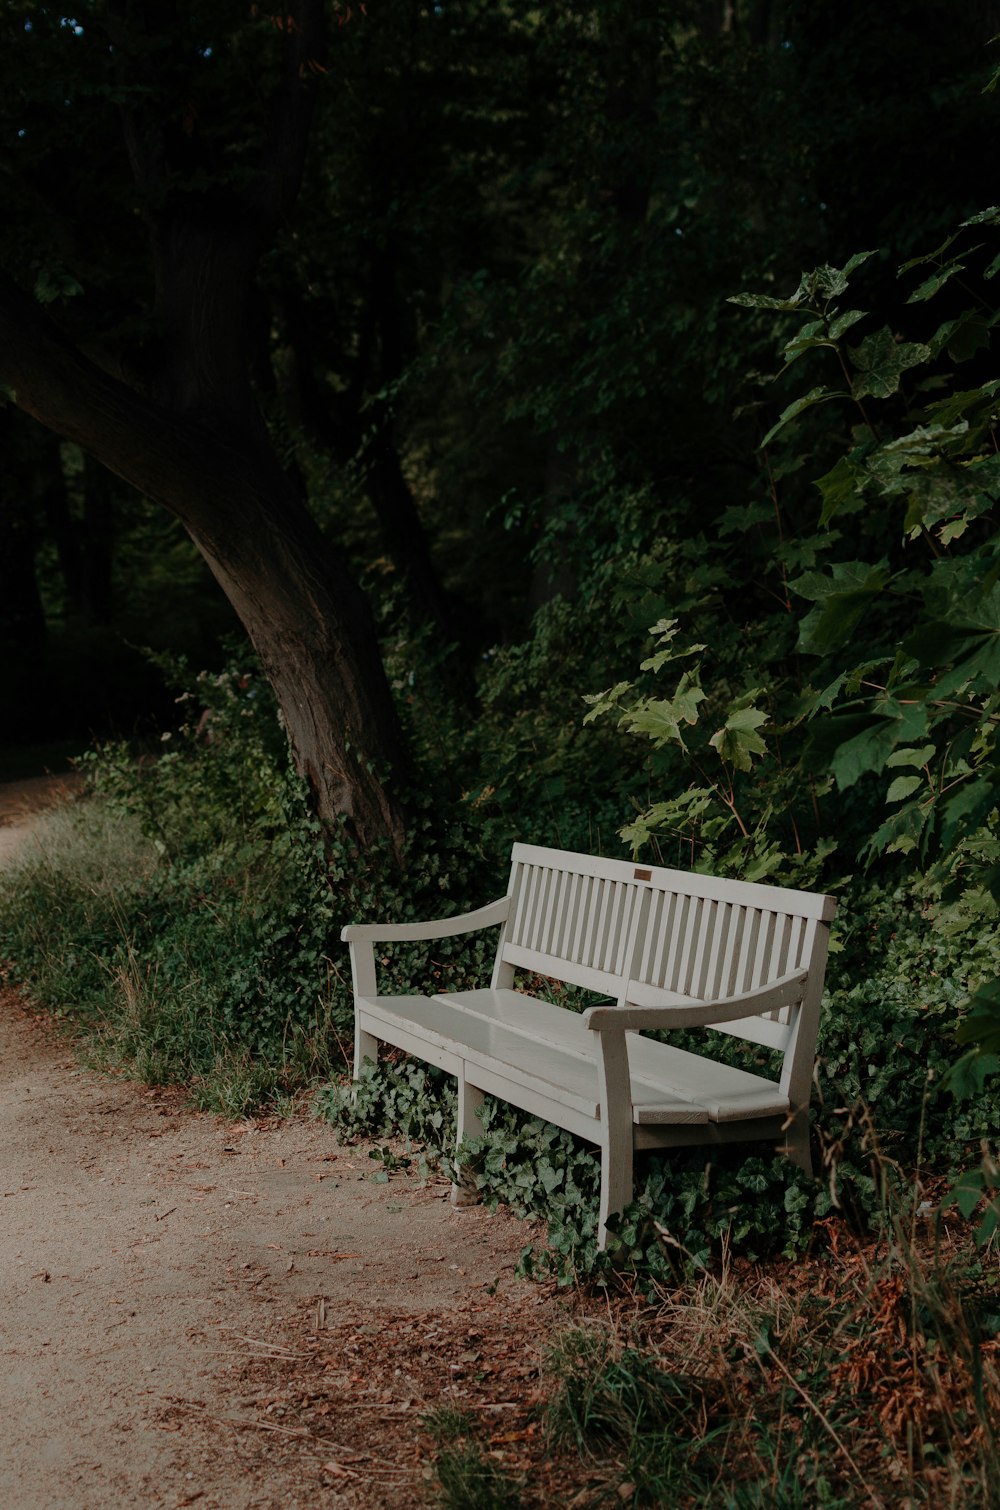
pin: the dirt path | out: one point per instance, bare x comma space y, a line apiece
22, 801
199, 1313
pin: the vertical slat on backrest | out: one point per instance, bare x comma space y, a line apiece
526, 904
777, 954
520, 883
730, 963
703, 954
796, 944
648, 956
557, 901
794, 954
761, 954
537, 922
562, 934
747, 948
659, 916
537, 926
682, 954
609, 921
715, 965
550, 912
811, 948
626, 917
603, 929
585, 904
676, 910
595, 915
562, 920
609, 926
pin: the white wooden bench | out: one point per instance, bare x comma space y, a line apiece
668, 950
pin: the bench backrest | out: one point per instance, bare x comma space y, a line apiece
646, 932
572, 917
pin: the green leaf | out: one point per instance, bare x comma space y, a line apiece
901, 832
763, 301
830, 693
967, 642
903, 787
936, 281
984, 217
928, 256
914, 756
844, 322
667, 629
798, 406
841, 488
982, 1025
841, 599
972, 334
825, 282
54, 283
967, 809
870, 740
881, 360
738, 739
853, 263
605, 702
812, 334
864, 752
967, 1192
659, 719
965, 1079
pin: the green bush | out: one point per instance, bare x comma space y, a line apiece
185, 915
181, 913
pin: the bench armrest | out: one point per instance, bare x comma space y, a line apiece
440, 928
641, 1009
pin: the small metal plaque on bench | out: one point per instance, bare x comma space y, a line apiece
644, 875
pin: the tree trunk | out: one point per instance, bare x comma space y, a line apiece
316, 640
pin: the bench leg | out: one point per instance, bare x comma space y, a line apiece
796, 1147
470, 1099
616, 1181
616, 1129
365, 1047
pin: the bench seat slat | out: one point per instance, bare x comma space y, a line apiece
726, 1090
527, 1015
476, 1040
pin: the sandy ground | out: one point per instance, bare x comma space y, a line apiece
200, 1313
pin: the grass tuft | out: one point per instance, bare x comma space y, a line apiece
468, 1478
